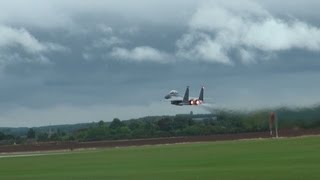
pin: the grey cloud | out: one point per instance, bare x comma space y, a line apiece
63, 14
302, 9
217, 29
34, 13
17, 45
200, 46
16, 58
11, 37
219, 32
276, 35
142, 53
108, 42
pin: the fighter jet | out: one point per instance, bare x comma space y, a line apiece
177, 100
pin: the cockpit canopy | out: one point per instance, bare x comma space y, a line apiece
173, 92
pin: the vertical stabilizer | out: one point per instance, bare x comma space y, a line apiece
201, 94
186, 95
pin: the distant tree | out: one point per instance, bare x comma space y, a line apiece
180, 122
150, 128
194, 130
101, 123
135, 125
31, 134
43, 137
81, 135
165, 124
123, 132
58, 136
116, 123
98, 133
2, 136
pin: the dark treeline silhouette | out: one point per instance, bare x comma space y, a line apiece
167, 126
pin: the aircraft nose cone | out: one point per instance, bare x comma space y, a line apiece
168, 96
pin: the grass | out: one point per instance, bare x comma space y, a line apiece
292, 158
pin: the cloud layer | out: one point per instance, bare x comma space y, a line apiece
17, 45
221, 31
142, 53
100, 59
11, 37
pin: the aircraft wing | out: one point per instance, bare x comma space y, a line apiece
175, 98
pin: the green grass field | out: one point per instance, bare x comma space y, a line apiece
293, 158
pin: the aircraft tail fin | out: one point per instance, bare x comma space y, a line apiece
201, 94
186, 95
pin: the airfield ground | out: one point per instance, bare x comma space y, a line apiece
283, 158
53, 146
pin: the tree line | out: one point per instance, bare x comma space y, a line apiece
180, 125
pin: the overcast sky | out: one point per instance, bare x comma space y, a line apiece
70, 61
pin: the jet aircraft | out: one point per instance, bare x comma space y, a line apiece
175, 99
